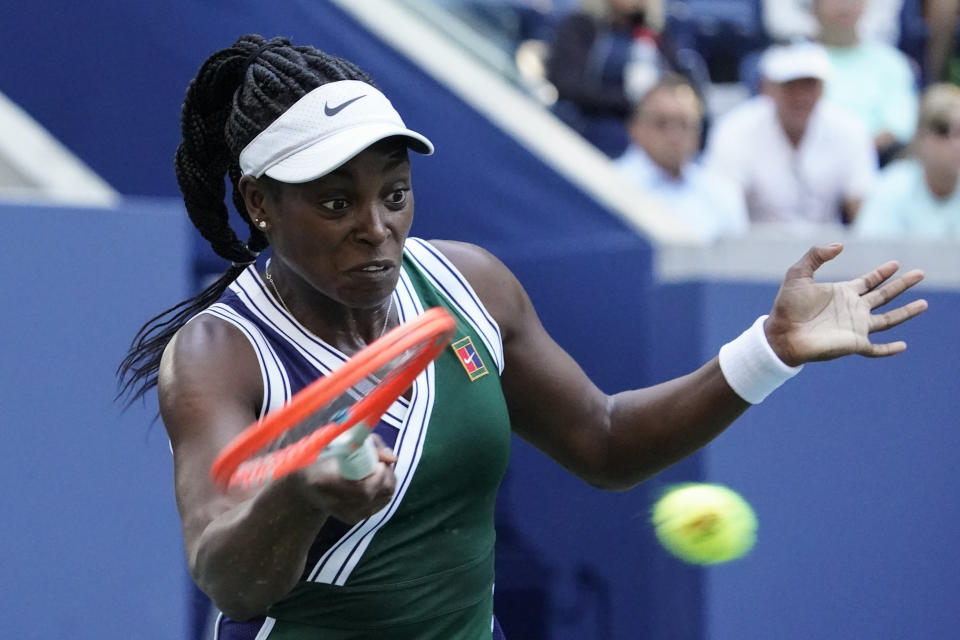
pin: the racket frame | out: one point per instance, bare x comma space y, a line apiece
430, 333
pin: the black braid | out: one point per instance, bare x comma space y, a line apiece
236, 94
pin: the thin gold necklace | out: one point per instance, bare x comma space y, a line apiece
276, 292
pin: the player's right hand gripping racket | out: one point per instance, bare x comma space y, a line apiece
332, 416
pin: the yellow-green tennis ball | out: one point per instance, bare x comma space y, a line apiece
704, 523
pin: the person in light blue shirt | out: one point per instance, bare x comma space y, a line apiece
870, 78
920, 196
665, 138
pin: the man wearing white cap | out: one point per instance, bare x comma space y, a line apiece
798, 158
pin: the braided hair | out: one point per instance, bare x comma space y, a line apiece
236, 94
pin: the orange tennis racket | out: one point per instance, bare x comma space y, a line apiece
332, 416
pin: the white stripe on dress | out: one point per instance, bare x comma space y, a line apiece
266, 629
252, 292
339, 561
454, 286
262, 634
276, 384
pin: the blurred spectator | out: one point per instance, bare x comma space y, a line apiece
872, 79
665, 134
920, 195
601, 60
924, 29
797, 158
787, 20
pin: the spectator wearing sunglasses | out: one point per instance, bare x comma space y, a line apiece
919, 195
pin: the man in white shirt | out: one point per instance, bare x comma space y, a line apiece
665, 133
797, 158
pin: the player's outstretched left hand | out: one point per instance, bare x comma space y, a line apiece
820, 321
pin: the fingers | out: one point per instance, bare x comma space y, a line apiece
889, 319
380, 485
354, 500
884, 321
812, 260
869, 281
376, 490
384, 453
877, 297
884, 350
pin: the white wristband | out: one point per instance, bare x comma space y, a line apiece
751, 367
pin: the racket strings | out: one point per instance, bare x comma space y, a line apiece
358, 393
350, 397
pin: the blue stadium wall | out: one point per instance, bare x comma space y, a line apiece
851, 468
845, 465
90, 541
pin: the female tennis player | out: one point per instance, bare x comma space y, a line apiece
318, 161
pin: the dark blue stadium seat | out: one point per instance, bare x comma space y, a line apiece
749, 71
721, 31
914, 32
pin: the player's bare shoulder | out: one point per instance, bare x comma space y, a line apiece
498, 289
209, 357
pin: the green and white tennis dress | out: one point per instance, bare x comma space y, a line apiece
423, 567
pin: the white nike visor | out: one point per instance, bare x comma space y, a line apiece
323, 130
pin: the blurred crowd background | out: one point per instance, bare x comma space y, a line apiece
740, 113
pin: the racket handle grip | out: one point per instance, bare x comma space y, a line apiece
360, 462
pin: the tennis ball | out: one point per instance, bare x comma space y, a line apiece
704, 523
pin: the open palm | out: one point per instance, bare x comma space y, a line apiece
821, 321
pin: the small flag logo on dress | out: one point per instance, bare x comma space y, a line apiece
469, 358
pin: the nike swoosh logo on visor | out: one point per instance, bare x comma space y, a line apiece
332, 111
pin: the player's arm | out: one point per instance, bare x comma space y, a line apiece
617, 441
610, 441
245, 549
